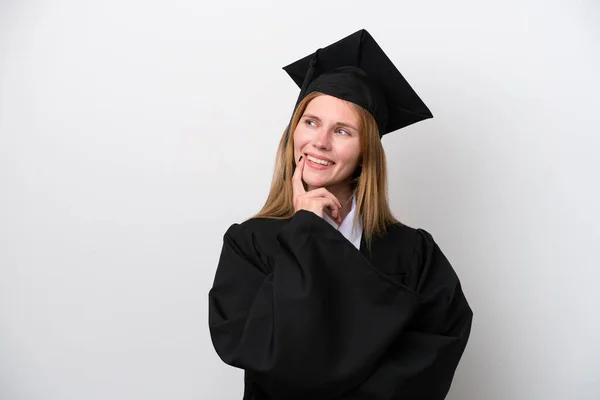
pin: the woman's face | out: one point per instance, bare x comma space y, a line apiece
328, 138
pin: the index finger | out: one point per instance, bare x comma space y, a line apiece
297, 185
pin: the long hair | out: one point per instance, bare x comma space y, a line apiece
369, 181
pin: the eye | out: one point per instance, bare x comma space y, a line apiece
343, 132
310, 122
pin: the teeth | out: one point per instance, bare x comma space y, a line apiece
317, 161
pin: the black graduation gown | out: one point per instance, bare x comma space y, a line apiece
309, 316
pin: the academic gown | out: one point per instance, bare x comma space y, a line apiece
307, 315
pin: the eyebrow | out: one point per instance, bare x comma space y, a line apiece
344, 124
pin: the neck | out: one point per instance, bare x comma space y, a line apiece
343, 192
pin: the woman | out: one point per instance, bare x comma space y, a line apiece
324, 294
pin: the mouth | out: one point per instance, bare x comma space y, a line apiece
318, 162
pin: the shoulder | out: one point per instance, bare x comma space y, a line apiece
403, 237
255, 226
260, 234
428, 264
263, 228
261, 224
254, 240
409, 251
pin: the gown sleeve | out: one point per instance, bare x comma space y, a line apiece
421, 362
314, 320
318, 321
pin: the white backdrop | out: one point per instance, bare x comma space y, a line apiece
133, 133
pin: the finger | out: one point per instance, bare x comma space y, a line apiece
325, 204
297, 185
338, 216
335, 213
332, 207
322, 192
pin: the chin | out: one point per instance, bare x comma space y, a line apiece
316, 182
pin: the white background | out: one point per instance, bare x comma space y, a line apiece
133, 133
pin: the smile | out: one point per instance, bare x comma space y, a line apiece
319, 161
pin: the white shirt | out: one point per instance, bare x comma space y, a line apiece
352, 233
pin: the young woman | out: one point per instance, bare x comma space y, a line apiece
324, 294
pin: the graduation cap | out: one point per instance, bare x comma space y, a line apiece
356, 69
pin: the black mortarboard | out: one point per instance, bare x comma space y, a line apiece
357, 70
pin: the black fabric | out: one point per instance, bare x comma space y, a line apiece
374, 83
308, 316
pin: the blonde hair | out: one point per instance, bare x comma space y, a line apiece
369, 183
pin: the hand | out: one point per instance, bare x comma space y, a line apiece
317, 200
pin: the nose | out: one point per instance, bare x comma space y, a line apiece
322, 139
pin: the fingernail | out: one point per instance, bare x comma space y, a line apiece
300, 158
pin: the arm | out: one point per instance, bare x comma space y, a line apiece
305, 324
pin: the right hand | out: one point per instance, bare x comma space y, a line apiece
317, 200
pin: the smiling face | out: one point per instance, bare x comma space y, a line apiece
328, 137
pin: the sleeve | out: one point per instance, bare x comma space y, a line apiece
315, 323
421, 362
